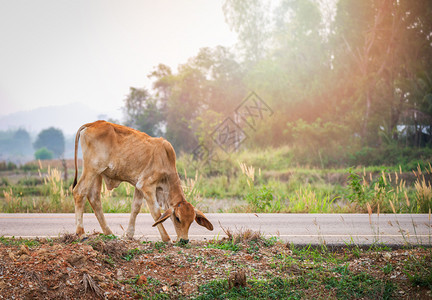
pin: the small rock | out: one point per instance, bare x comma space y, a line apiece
41, 251
87, 248
24, 249
76, 260
387, 256
119, 274
24, 257
11, 255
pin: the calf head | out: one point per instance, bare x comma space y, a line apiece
182, 215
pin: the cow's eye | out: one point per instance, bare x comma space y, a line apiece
178, 220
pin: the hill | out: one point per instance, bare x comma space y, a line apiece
68, 118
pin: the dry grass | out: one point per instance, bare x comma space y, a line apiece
91, 285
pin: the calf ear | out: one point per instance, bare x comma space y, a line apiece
202, 220
165, 216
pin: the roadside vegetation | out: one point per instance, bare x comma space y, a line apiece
262, 181
243, 265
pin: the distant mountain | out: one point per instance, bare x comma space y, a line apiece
68, 118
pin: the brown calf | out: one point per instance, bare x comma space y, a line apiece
117, 153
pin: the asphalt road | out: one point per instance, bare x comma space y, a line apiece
295, 228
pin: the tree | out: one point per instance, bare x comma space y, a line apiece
22, 141
142, 112
387, 48
52, 139
43, 154
250, 19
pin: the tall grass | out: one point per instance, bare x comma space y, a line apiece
423, 190
250, 182
390, 192
308, 200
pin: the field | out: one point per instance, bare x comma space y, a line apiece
262, 181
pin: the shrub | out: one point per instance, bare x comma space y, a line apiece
44, 154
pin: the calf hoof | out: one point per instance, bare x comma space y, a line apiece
80, 232
129, 234
108, 232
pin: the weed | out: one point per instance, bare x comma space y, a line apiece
419, 271
360, 285
160, 246
260, 199
423, 190
109, 260
108, 237
387, 269
132, 253
17, 242
306, 199
275, 288
225, 245
148, 290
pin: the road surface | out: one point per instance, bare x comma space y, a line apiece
295, 228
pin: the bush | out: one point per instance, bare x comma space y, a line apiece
7, 166
392, 155
43, 154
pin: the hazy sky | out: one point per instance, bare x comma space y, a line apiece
56, 52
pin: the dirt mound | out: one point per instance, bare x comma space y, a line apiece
106, 267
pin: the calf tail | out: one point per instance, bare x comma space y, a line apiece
77, 137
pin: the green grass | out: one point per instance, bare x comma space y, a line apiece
361, 285
419, 271
275, 288
31, 243
276, 185
149, 290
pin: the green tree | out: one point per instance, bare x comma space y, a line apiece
384, 52
210, 84
142, 112
52, 139
22, 141
43, 154
250, 19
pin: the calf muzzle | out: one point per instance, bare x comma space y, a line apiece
183, 241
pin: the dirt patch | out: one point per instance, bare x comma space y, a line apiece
105, 267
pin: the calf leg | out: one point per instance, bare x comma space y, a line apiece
80, 193
155, 212
135, 209
79, 210
94, 198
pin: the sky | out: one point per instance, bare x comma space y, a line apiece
58, 52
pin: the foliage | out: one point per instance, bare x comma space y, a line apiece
350, 82
7, 166
359, 285
419, 271
142, 112
260, 199
15, 144
275, 288
43, 154
52, 139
